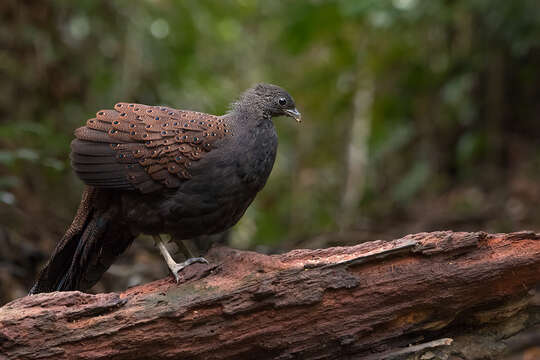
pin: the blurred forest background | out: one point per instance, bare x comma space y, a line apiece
419, 115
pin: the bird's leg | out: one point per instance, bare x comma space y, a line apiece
173, 265
184, 249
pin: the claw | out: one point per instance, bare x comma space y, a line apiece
177, 267
173, 265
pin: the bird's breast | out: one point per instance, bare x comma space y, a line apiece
255, 162
223, 184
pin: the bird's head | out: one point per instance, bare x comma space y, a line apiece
272, 100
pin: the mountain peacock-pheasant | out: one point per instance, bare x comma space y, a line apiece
156, 170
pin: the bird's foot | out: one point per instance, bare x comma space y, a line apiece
177, 267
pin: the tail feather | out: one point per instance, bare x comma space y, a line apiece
87, 249
87, 244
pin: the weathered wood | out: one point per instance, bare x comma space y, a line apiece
439, 291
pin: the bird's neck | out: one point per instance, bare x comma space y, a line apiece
249, 115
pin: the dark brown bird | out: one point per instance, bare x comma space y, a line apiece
157, 170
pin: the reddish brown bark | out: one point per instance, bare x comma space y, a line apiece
443, 292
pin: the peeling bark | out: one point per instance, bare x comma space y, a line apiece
449, 295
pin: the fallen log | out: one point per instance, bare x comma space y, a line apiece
428, 295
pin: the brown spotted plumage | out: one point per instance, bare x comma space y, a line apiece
143, 147
156, 170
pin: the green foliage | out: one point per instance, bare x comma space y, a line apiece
444, 76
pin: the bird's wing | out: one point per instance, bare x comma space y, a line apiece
141, 147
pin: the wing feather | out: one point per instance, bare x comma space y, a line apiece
141, 147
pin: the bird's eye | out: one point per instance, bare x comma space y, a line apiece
282, 101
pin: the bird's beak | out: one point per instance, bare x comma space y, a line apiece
294, 114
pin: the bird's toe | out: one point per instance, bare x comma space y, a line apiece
177, 268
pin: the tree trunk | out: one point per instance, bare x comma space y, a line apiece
425, 296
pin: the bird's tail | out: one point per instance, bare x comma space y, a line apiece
87, 249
